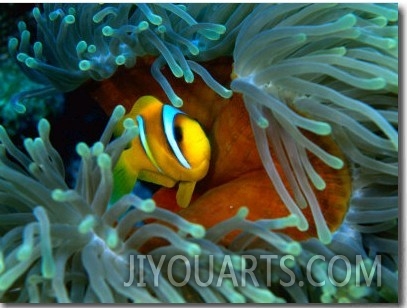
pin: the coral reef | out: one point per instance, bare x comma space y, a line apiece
329, 69
9, 14
13, 113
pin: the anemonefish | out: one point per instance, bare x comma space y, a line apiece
171, 148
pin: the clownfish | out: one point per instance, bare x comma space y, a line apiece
171, 148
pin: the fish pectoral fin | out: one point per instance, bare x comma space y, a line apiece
156, 178
184, 193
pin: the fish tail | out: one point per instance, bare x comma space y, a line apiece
123, 179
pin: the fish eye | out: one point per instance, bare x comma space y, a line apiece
178, 133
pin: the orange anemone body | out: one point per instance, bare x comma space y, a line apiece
236, 175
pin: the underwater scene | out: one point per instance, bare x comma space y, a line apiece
199, 153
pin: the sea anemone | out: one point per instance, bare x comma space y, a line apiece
93, 40
329, 69
62, 244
